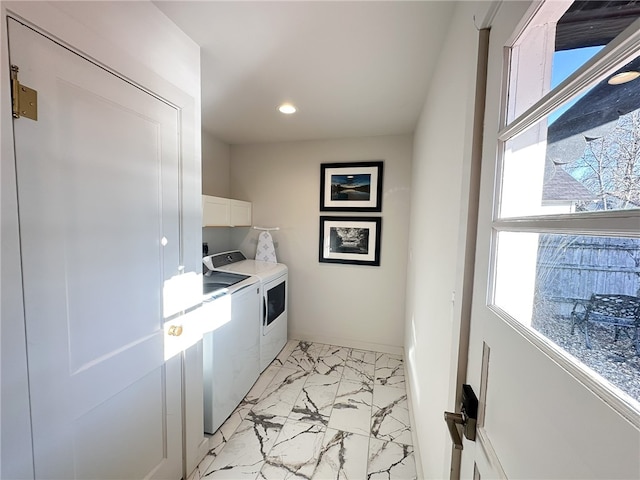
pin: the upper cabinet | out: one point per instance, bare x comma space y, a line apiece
225, 212
216, 211
240, 213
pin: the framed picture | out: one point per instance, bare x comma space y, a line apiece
351, 187
354, 240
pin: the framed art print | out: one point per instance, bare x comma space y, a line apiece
351, 240
351, 187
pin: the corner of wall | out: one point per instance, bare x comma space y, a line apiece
434, 242
216, 162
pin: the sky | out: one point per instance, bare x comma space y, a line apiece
565, 63
352, 180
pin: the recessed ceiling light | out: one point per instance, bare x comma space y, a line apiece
287, 109
623, 77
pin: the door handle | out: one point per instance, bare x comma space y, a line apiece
264, 311
467, 418
175, 330
453, 419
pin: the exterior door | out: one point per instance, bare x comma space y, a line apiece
540, 415
97, 178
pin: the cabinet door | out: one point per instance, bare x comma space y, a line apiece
240, 213
215, 211
98, 183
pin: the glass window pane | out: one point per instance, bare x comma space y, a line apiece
547, 282
585, 159
562, 37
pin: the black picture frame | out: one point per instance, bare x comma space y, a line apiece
350, 240
351, 187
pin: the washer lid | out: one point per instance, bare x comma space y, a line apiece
217, 280
264, 270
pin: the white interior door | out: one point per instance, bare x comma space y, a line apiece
97, 178
537, 419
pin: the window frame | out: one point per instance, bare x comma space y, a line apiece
622, 223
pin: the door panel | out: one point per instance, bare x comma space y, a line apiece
539, 420
97, 179
535, 406
141, 423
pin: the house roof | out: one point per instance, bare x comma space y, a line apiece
592, 116
595, 113
560, 186
589, 23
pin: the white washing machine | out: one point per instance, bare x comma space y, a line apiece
274, 290
231, 351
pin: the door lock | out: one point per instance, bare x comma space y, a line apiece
467, 418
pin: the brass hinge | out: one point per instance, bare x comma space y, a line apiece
24, 99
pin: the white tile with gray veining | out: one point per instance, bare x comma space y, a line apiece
389, 370
228, 428
343, 456
390, 415
246, 451
358, 371
315, 402
295, 453
364, 356
318, 412
289, 347
264, 380
304, 356
352, 408
331, 361
390, 460
282, 392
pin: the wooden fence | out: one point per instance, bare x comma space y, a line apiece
572, 267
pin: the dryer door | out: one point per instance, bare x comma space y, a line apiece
274, 319
275, 303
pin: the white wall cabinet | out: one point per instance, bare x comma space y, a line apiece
240, 213
216, 211
225, 212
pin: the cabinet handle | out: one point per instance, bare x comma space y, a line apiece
175, 330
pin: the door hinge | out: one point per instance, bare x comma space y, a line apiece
24, 99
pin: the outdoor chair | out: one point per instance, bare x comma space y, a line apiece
620, 311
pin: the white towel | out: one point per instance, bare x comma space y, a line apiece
266, 251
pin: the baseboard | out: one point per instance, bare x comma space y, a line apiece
341, 342
412, 420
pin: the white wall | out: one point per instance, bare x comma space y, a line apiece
350, 305
216, 157
136, 40
439, 191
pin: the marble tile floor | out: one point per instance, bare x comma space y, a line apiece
318, 412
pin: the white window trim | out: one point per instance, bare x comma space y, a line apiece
604, 63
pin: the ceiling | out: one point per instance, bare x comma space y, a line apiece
352, 68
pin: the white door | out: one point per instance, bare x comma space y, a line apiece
97, 177
541, 416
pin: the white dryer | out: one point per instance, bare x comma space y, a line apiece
274, 290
